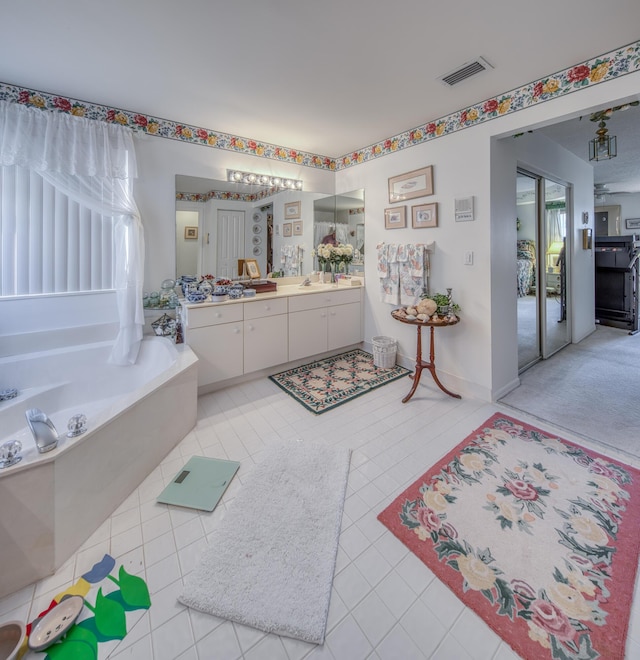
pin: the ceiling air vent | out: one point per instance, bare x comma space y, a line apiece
466, 71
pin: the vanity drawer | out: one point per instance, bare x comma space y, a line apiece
213, 315
323, 299
261, 308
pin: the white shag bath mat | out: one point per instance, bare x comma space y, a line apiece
270, 561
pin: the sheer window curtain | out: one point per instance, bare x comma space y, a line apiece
93, 163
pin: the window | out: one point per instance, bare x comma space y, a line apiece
48, 242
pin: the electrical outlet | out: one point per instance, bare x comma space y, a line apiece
468, 258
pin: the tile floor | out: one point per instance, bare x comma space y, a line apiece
385, 603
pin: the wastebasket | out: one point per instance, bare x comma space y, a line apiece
384, 352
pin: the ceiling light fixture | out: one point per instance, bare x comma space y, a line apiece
251, 178
603, 147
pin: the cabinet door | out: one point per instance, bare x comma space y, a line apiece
343, 325
265, 342
219, 351
307, 333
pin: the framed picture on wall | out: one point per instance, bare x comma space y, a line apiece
292, 210
417, 183
395, 218
286, 229
191, 232
424, 215
297, 228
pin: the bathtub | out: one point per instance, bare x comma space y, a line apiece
51, 503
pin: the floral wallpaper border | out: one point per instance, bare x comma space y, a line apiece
599, 69
224, 195
618, 62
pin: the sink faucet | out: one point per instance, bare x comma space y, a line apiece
306, 282
43, 430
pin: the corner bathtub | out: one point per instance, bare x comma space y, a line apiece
51, 503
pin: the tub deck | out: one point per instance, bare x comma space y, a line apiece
53, 502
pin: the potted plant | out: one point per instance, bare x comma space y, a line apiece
442, 301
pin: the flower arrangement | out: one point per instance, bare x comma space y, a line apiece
333, 254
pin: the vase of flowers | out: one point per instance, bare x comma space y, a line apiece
333, 258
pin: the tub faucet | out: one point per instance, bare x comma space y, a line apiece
43, 430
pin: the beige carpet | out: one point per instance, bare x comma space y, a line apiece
591, 388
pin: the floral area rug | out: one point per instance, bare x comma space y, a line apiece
322, 385
536, 535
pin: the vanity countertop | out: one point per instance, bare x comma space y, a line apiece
283, 291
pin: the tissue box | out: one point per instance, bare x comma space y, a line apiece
347, 280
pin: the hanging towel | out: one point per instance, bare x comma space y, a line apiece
411, 278
389, 276
382, 263
416, 260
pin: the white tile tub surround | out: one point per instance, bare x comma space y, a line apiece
51, 503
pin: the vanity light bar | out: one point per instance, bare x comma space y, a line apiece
251, 178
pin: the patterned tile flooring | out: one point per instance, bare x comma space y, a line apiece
385, 603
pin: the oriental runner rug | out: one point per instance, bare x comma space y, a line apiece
537, 535
324, 384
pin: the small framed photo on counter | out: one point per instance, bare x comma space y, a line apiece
252, 269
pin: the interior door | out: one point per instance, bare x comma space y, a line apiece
229, 243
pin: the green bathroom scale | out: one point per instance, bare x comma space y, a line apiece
200, 484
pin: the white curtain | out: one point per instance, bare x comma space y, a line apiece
94, 164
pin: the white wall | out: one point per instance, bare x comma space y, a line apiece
188, 249
479, 356
629, 208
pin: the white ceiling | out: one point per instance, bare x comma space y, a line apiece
327, 77
620, 174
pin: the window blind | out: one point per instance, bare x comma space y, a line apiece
49, 243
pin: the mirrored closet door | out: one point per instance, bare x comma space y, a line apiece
543, 269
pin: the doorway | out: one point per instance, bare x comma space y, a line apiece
223, 244
543, 268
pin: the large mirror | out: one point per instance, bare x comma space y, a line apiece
219, 224
340, 219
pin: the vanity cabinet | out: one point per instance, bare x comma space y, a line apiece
240, 337
324, 321
265, 334
216, 336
